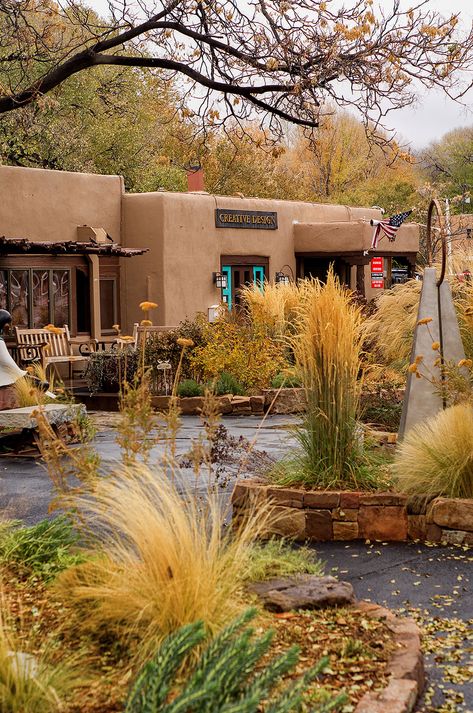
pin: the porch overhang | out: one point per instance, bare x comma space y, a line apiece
23, 246
351, 237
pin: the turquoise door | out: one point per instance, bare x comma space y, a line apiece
237, 277
258, 276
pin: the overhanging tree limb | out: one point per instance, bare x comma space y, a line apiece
282, 60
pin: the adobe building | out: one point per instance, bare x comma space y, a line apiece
77, 249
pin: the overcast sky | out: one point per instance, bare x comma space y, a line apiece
433, 114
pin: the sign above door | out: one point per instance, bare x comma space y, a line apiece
253, 219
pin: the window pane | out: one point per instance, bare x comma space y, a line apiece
107, 304
19, 297
41, 298
3, 289
61, 293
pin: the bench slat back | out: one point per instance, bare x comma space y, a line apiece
59, 344
139, 331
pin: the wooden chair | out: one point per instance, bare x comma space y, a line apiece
55, 346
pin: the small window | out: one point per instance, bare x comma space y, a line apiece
36, 296
61, 290
19, 297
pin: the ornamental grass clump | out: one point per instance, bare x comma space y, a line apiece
163, 559
272, 308
29, 683
436, 456
391, 327
327, 348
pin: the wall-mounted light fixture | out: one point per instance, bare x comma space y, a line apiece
281, 278
220, 280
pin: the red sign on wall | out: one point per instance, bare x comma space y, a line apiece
377, 272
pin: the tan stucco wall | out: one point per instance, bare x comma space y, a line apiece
185, 246
179, 229
355, 236
39, 204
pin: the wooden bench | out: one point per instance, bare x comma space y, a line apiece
139, 332
55, 346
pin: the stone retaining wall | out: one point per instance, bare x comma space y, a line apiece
320, 516
235, 405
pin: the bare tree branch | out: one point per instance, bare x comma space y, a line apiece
276, 60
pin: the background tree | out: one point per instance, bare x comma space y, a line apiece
449, 167
275, 59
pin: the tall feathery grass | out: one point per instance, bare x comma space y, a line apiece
30, 395
327, 347
29, 683
391, 327
272, 308
436, 456
164, 559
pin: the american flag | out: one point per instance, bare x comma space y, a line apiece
389, 226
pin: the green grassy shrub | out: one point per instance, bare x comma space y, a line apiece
189, 387
226, 384
436, 457
29, 684
287, 381
106, 370
224, 678
277, 558
44, 549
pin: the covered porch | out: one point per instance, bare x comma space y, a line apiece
72, 284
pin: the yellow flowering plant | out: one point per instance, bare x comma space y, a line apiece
240, 349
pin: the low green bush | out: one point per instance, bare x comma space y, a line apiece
107, 370
277, 558
285, 381
44, 549
189, 387
224, 679
226, 384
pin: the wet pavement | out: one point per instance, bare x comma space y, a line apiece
433, 585
26, 490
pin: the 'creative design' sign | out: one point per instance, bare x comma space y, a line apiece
259, 219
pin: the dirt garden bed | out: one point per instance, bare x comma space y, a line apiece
346, 515
372, 654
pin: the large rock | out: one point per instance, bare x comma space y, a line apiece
285, 400
56, 414
306, 591
241, 405
383, 523
319, 525
191, 405
455, 514
289, 497
345, 531
289, 522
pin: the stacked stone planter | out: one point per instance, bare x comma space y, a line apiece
345, 515
231, 405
